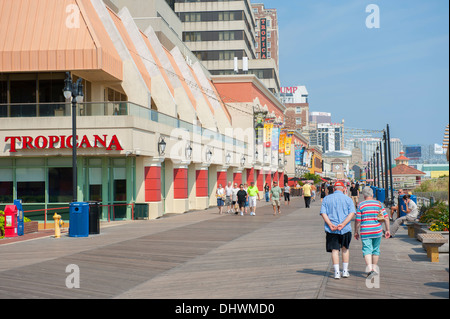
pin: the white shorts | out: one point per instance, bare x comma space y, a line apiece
252, 201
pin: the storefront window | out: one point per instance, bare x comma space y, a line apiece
6, 185
95, 184
120, 185
60, 185
31, 185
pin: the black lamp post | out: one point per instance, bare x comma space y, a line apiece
74, 91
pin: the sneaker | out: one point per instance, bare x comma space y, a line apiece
345, 274
371, 274
242, 214
337, 275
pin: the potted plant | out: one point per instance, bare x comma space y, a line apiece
437, 219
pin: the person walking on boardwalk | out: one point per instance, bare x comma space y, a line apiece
234, 200
228, 197
275, 196
253, 192
242, 198
354, 193
287, 195
323, 191
369, 229
266, 192
412, 212
307, 194
337, 212
313, 192
220, 194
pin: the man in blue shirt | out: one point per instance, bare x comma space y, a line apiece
337, 211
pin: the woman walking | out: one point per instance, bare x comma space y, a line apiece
287, 194
266, 192
323, 191
220, 194
368, 228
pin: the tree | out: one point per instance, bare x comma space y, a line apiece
317, 179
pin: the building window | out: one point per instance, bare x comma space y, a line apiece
60, 185
95, 184
6, 185
31, 185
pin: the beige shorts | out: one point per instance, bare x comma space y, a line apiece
276, 202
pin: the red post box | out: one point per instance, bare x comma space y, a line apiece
11, 221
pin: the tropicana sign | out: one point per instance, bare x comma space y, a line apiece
62, 142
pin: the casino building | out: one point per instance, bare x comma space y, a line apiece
154, 128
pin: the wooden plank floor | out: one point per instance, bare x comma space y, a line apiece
202, 255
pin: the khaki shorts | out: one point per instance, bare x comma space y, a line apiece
276, 202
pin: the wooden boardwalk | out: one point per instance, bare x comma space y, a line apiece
203, 255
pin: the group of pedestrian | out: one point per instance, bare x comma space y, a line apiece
238, 199
242, 199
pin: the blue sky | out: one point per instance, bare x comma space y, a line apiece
397, 74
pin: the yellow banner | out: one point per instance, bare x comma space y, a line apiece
268, 127
287, 150
282, 144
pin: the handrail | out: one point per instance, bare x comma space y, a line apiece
113, 108
46, 210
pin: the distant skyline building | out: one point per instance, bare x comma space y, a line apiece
319, 117
295, 99
369, 146
222, 34
425, 154
328, 135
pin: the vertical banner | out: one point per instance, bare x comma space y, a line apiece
302, 157
288, 143
268, 127
282, 143
275, 138
259, 130
298, 154
263, 33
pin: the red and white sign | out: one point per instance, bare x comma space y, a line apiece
62, 142
291, 89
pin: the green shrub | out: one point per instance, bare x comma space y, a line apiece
436, 216
2, 224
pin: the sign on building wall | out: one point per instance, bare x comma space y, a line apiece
282, 146
268, 127
288, 144
263, 23
62, 142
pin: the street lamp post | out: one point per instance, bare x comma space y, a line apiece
74, 91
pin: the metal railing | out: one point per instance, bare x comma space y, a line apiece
111, 109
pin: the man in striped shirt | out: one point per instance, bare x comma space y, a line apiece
368, 228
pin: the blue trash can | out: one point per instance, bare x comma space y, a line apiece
79, 220
381, 195
375, 192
